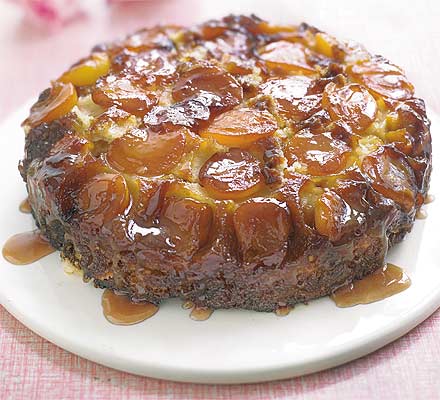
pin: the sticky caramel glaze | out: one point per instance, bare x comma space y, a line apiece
201, 313
379, 285
119, 310
421, 214
26, 248
429, 198
25, 206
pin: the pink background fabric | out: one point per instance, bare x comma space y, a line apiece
406, 32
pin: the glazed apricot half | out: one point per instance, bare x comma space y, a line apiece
241, 127
103, 198
286, 57
88, 71
121, 91
332, 214
147, 153
220, 87
189, 221
60, 100
383, 78
320, 153
391, 176
234, 175
262, 227
352, 104
291, 98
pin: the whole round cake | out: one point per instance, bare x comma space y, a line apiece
233, 164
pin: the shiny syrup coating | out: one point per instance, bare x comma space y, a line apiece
237, 163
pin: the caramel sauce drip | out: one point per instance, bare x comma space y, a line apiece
25, 206
282, 311
119, 310
200, 313
429, 198
421, 214
379, 285
26, 248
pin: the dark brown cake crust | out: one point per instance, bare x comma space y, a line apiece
327, 156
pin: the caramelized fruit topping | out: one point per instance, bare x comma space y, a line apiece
88, 71
352, 104
61, 99
321, 154
235, 174
147, 152
103, 198
241, 127
391, 176
286, 57
124, 93
262, 227
383, 78
209, 81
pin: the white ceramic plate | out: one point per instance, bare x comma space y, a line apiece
232, 346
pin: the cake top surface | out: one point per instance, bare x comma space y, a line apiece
268, 122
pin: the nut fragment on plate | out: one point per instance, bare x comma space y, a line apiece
234, 164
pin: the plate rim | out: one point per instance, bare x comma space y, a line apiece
337, 355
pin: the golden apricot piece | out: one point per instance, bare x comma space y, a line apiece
103, 198
287, 57
327, 45
88, 71
231, 175
122, 92
320, 153
291, 98
189, 221
147, 153
401, 139
241, 127
224, 90
61, 99
383, 78
352, 104
332, 213
262, 227
391, 176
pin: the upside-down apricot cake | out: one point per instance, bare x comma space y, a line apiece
235, 164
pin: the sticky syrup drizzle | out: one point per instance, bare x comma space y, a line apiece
25, 206
119, 310
379, 285
27, 247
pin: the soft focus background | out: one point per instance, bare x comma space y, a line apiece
39, 39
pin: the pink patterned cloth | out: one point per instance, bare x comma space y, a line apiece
32, 368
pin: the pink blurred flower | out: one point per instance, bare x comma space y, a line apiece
52, 13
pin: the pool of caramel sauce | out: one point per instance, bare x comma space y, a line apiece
200, 313
25, 206
379, 285
119, 310
282, 311
27, 247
